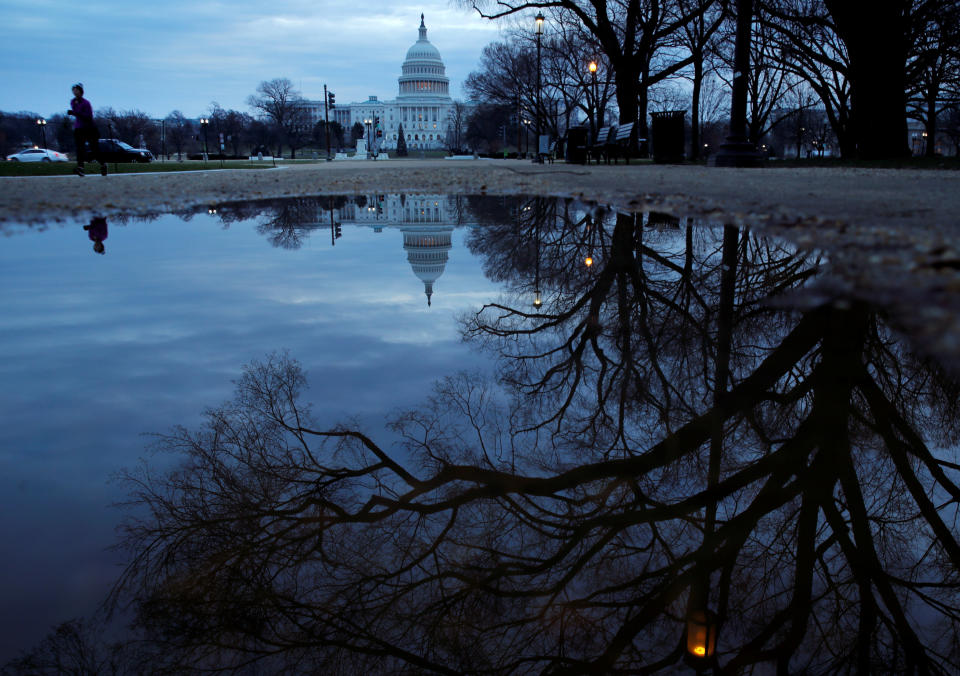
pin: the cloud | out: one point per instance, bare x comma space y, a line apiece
182, 55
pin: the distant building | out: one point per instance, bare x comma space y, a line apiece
422, 106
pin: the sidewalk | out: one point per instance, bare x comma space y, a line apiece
771, 195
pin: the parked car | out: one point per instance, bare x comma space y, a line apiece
37, 155
114, 150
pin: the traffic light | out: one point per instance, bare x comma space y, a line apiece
337, 232
331, 99
379, 133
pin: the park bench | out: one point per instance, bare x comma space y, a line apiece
601, 144
624, 141
550, 154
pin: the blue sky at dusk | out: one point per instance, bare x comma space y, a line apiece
182, 55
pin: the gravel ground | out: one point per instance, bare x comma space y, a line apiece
891, 235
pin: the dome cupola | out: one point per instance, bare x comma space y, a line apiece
423, 73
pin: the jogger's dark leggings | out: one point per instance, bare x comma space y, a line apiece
81, 137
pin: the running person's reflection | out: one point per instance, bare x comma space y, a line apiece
97, 232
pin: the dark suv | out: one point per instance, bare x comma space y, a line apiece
113, 150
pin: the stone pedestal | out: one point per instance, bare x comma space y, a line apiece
362, 153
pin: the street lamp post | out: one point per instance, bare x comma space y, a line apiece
369, 123
738, 151
204, 121
539, 21
42, 123
595, 122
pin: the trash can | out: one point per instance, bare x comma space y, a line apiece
667, 135
576, 145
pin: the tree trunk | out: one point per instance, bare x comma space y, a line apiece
627, 89
631, 99
878, 59
695, 108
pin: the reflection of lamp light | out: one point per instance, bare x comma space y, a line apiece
701, 634
537, 301
588, 261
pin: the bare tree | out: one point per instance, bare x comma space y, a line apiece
278, 101
933, 73
131, 126
869, 71
79, 647
635, 37
456, 127
178, 129
698, 36
813, 50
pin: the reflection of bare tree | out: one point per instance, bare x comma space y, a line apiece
286, 222
80, 647
662, 441
290, 222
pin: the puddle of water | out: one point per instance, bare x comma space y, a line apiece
627, 423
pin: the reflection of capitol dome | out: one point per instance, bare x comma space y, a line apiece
423, 72
427, 248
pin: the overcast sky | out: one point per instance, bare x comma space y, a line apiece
182, 54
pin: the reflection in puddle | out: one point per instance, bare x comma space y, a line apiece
681, 460
426, 222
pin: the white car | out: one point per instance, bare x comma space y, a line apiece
37, 155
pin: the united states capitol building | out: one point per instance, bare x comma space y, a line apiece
422, 107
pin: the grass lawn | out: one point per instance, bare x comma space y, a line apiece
65, 168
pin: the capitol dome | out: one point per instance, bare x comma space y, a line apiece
427, 248
423, 73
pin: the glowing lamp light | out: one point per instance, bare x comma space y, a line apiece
588, 261
539, 19
593, 66
701, 634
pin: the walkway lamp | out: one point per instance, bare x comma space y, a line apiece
595, 123
539, 22
204, 121
369, 124
701, 637
42, 123
738, 151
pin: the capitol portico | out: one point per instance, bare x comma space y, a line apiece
422, 106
